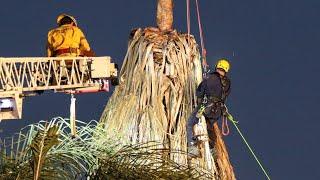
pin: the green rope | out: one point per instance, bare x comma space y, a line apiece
229, 116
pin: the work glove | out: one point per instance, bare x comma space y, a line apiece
88, 53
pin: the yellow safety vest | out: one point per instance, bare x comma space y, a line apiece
66, 37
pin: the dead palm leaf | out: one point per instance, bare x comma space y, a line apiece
41, 144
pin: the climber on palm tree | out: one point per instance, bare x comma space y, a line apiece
211, 96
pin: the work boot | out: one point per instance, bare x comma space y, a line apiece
193, 150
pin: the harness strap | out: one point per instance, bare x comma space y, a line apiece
64, 51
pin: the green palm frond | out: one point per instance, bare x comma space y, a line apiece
8, 169
68, 159
146, 161
93, 153
41, 144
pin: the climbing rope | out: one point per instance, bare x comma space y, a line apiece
225, 126
188, 19
230, 117
203, 49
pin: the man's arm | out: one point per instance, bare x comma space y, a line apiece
48, 47
201, 91
226, 83
49, 51
228, 86
84, 46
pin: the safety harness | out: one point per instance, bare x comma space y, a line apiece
83, 53
209, 101
65, 51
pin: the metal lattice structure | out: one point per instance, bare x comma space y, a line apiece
21, 77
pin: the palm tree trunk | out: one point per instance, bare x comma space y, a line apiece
165, 15
225, 169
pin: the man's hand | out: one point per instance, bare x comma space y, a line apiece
88, 53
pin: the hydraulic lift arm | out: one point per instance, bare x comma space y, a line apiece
23, 77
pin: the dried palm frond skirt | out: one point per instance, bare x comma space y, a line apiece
156, 95
159, 76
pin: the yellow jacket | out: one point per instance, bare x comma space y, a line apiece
65, 37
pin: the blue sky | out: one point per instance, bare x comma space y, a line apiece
273, 46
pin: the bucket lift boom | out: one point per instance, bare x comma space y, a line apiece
23, 77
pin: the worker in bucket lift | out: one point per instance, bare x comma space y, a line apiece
67, 39
211, 96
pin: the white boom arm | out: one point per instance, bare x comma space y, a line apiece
21, 77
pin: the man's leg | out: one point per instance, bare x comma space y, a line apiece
191, 122
211, 134
191, 140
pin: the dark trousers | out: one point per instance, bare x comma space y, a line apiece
194, 120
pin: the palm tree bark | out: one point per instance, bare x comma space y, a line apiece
225, 169
165, 15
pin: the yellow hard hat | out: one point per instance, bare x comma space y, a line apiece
61, 16
223, 64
